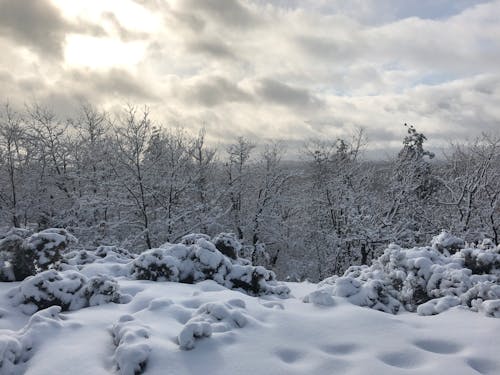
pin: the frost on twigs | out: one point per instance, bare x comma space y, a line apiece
212, 317
131, 339
428, 280
68, 289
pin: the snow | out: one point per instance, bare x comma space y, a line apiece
298, 338
109, 311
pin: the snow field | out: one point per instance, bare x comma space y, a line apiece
279, 337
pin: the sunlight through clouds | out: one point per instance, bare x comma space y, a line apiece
92, 52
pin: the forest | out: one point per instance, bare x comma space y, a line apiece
123, 179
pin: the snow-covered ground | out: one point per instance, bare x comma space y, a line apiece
198, 308
245, 335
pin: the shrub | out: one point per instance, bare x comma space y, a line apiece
68, 289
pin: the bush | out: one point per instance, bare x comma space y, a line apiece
68, 289
194, 262
24, 254
16, 261
48, 247
428, 280
227, 244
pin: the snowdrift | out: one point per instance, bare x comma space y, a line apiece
428, 280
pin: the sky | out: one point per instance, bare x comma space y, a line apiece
264, 69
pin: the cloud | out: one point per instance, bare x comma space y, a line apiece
283, 94
36, 24
213, 48
229, 12
266, 69
212, 91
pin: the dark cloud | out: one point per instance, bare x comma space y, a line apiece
36, 24
213, 48
329, 48
213, 91
228, 12
115, 83
283, 94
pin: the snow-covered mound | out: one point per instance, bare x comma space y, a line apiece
103, 254
132, 348
428, 280
212, 317
17, 347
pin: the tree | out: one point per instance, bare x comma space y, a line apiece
237, 178
133, 134
12, 153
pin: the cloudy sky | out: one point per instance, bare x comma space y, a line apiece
285, 69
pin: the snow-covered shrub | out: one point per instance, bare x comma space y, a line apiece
192, 238
155, 265
447, 243
370, 293
79, 257
48, 247
212, 317
102, 289
68, 289
483, 260
428, 280
16, 262
438, 305
491, 308
203, 261
132, 348
103, 254
255, 280
114, 254
227, 244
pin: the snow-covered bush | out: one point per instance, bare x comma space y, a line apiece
103, 254
192, 238
114, 254
427, 280
79, 257
212, 317
201, 260
227, 244
132, 348
48, 247
16, 262
447, 243
155, 265
24, 254
68, 289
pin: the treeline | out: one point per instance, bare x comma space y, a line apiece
124, 180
